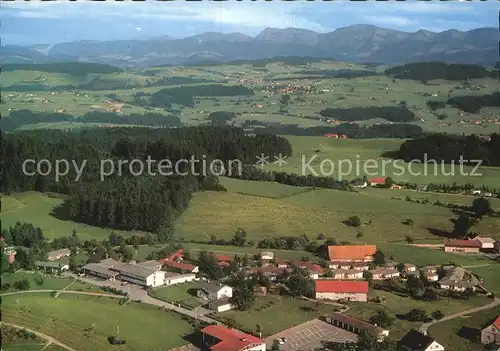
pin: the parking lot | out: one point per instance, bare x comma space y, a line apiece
310, 335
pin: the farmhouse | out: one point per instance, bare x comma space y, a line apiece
283, 263
174, 278
51, 267
487, 243
409, 267
360, 266
271, 272
220, 338
355, 325
224, 258
463, 246
182, 267
136, 274
100, 271
339, 290
214, 291
266, 255
431, 276
55, 255
352, 253
416, 341
491, 333
377, 181
458, 279
359, 183
384, 273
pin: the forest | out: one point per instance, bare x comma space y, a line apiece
354, 131
389, 113
473, 103
425, 71
184, 95
20, 118
449, 148
123, 200
72, 68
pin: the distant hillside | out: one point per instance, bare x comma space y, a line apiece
72, 68
357, 43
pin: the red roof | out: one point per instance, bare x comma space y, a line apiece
350, 252
230, 339
462, 243
380, 180
496, 323
335, 286
275, 270
172, 257
224, 258
223, 264
181, 265
310, 266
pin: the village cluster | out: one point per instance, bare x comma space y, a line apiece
345, 278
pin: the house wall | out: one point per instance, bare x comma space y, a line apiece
490, 335
222, 308
183, 279
467, 250
260, 347
435, 347
95, 274
342, 296
225, 292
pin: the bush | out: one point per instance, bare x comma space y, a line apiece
115, 341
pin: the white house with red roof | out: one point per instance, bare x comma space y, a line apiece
377, 181
341, 290
220, 338
491, 334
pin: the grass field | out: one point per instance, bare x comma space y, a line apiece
85, 322
27, 347
47, 282
263, 189
36, 208
314, 212
354, 155
448, 332
422, 256
491, 276
395, 304
276, 313
181, 293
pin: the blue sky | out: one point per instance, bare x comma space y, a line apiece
34, 22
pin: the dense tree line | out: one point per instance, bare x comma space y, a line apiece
354, 131
146, 201
425, 71
251, 172
221, 117
23, 117
184, 95
450, 148
72, 68
389, 113
473, 103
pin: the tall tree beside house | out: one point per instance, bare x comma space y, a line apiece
481, 207
239, 238
207, 263
300, 284
243, 296
378, 258
382, 319
462, 225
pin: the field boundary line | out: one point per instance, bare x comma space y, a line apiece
44, 336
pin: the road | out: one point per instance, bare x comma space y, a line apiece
48, 338
138, 293
424, 328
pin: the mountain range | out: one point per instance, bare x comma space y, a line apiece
357, 43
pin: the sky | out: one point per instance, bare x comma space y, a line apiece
50, 22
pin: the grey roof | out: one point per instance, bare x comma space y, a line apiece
109, 262
213, 287
458, 276
133, 269
99, 268
152, 264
